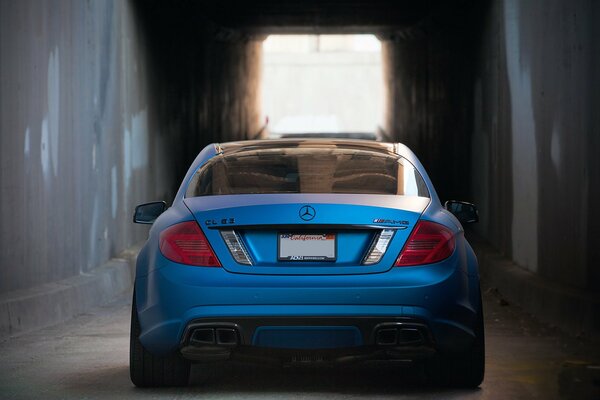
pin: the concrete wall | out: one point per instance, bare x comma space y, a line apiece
76, 148
98, 115
535, 141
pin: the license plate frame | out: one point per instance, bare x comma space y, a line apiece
307, 246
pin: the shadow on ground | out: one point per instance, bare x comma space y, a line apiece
246, 380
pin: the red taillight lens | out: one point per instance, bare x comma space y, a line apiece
428, 243
186, 244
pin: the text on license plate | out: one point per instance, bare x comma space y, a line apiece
307, 247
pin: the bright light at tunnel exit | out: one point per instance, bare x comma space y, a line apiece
322, 84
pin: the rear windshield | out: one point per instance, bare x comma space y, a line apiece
307, 170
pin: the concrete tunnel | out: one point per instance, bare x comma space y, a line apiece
104, 104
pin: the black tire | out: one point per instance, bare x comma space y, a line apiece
147, 370
463, 370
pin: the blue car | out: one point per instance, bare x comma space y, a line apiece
298, 251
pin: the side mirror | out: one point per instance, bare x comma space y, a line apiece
147, 213
465, 212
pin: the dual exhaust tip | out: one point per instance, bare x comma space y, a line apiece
399, 336
227, 337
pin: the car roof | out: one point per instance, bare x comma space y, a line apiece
357, 144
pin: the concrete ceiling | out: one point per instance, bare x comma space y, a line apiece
235, 18
312, 16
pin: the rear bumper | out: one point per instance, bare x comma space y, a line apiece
440, 299
305, 339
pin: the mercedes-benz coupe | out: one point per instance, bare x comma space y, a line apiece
304, 251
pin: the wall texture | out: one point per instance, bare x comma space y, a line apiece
536, 135
103, 105
76, 146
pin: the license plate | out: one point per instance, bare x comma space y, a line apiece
307, 247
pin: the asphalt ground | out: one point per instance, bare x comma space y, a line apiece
87, 358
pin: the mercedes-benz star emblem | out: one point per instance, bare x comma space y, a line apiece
307, 213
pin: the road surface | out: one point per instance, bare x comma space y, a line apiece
87, 358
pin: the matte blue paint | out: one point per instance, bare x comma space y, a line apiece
307, 337
444, 295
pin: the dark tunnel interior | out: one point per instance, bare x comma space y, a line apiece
205, 60
115, 99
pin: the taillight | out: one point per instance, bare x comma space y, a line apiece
428, 243
186, 244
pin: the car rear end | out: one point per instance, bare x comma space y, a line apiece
307, 251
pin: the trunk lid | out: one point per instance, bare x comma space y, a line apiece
274, 228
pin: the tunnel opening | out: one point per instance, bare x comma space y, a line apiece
322, 85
